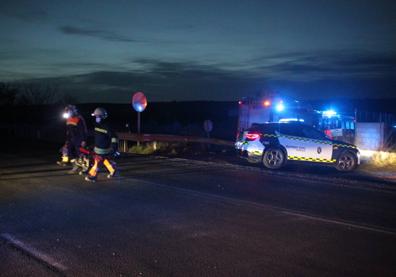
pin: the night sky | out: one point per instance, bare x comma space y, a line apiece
201, 50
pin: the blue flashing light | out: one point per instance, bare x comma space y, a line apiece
280, 107
285, 120
329, 113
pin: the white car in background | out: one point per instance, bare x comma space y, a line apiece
275, 144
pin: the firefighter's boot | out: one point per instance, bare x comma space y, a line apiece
91, 179
64, 161
114, 174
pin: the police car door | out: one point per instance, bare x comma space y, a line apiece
292, 138
320, 148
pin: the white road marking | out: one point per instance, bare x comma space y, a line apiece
347, 224
34, 253
234, 201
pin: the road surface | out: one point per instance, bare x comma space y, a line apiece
178, 217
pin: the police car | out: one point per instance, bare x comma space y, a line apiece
275, 144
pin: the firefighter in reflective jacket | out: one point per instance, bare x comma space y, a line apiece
106, 145
76, 136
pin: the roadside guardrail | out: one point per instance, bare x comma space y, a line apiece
124, 138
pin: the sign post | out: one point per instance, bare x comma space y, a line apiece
139, 104
208, 127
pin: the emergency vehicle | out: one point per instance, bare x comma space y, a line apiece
273, 131
274, 144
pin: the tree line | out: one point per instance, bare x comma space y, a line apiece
23, 94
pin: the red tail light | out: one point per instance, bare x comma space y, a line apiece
328, 134
252, 136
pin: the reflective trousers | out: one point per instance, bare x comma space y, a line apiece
71, 151
98, 160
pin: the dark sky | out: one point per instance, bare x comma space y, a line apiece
201, 50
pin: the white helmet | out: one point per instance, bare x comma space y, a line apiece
100, 112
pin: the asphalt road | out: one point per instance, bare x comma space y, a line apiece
179, 217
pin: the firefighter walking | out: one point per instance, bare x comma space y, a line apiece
105, 147
76, 136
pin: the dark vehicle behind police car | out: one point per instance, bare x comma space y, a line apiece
275, 144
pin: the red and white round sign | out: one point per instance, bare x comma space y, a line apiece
139, 101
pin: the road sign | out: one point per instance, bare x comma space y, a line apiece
139, 102
208, 126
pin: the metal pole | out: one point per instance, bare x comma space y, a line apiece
138, 128
138, 123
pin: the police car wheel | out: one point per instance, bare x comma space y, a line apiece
274, 158
347, 161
